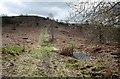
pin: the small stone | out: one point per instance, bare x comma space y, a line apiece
55, 49
28, 41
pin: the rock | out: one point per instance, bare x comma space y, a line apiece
81, 55
28, 41
55, 49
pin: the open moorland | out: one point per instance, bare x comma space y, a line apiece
29, 50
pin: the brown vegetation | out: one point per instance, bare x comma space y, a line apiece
67, 50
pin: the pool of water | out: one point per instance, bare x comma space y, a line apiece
81, 55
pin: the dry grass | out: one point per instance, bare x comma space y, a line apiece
67, 50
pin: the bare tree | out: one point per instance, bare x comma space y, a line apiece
100, 12
51, 27
97, 13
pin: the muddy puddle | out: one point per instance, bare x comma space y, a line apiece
81, 55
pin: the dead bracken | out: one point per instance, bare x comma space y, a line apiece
67, 50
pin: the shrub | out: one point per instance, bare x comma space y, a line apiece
67, 50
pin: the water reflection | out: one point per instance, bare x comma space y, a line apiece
81, 55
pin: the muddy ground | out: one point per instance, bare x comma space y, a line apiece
37, 60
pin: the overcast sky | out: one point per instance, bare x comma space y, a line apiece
59, 9
36, 7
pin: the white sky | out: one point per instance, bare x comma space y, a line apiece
38, 7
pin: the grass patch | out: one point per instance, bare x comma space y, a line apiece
13, 49
45, 37
42, 51
71, 66
10, 51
